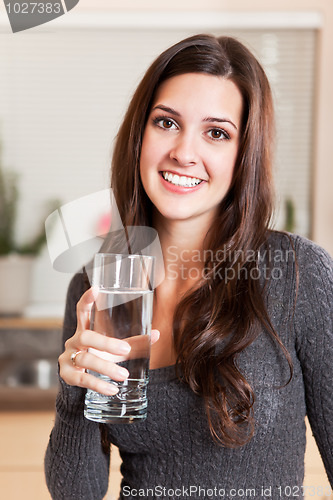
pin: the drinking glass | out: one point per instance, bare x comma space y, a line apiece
123, 309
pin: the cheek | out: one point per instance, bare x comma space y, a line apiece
147, 163
224, 165
150, 154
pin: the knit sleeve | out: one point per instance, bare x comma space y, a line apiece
314, 331
76, 467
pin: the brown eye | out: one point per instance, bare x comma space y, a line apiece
167, 123
218, 134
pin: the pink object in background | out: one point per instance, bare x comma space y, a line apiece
104, 224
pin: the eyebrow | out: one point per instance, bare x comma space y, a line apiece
207, 119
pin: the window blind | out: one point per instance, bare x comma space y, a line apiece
63, 95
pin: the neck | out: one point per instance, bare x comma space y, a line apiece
182, 245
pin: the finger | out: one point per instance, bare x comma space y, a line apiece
114, 358
95, 384
138, 344
155, 335
84, 306
90, 339
88, 361
80, 378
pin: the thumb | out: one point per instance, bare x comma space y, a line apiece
155, 335
84, 307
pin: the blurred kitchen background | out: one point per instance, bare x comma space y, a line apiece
64, 87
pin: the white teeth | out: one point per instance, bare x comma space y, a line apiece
181, 181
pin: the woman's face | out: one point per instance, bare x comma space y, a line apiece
190, 145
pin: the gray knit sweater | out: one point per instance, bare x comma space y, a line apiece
171, 454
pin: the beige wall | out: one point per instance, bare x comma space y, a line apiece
322, 205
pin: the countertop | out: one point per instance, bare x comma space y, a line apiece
20, 323
24, 340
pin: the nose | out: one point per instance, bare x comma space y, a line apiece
184, 151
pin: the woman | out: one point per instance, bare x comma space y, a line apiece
244, 313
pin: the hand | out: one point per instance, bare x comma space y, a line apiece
98, 352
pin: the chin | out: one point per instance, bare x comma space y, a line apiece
175, 215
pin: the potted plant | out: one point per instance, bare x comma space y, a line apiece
290, 215
16, 260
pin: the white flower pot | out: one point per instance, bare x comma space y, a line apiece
15, 281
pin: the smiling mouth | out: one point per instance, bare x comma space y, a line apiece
181, 180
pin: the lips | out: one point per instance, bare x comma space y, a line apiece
191, 184
181, 180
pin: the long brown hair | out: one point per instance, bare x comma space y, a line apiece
211, 327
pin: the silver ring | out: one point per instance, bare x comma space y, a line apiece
73, 357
